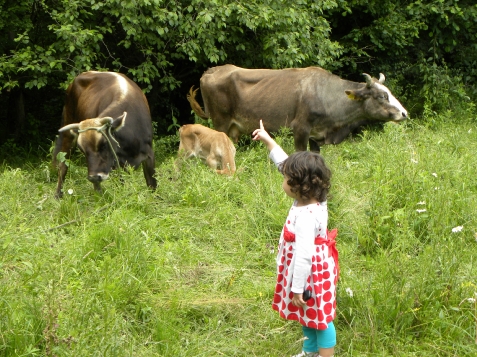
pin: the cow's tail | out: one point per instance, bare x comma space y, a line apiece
194, 105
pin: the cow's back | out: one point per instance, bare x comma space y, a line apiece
109, 94
213, 147
319, 107
238, 96
101, 94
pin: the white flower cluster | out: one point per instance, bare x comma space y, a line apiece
457, 229
349, 292
421, 210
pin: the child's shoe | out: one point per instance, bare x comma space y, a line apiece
306, 354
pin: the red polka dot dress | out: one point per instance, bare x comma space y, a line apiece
307, 259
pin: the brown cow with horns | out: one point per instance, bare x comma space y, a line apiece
108, 116
319, 107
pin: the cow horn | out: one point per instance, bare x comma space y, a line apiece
381, 78
369, 80
105, 120
122, 116
119, 122
69, 127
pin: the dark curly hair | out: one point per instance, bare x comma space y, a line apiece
307, 174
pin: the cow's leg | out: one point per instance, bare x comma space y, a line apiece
227, 163
211, 160
314, 146
185, 153
234, 133
301, 134
65, 143
148, 167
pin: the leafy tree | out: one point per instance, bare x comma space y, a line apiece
430, 44
427, 47
159, 43
146, 38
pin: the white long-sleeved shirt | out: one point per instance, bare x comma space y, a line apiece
306, 222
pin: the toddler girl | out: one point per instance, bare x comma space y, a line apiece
307, 260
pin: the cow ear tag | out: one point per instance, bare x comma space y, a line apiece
351, 95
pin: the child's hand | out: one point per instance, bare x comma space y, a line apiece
298, 301
260, 134
263, 136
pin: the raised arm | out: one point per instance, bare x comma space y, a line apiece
264, 137
276, 152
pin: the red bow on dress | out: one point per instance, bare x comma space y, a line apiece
331, 243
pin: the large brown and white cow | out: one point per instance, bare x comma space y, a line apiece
319, 107
107, 115
212, 147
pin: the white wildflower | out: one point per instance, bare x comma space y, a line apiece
457, 229
471, 300
434, 174
414, 161
70, 191
349, 292
421, 210
421, 203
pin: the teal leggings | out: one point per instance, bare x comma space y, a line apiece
316, 339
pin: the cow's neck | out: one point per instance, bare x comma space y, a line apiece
344, 110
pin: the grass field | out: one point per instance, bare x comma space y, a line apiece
189, 269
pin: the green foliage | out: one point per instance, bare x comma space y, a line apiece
431, 45
148, 38
205, 122
166, 147
428, 48
175, 125
441, 90
189, 270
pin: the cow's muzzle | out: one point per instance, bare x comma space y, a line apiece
100, 177
400, 118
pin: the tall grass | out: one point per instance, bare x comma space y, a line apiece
189, 269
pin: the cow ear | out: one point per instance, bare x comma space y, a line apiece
353, 95
119, 122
